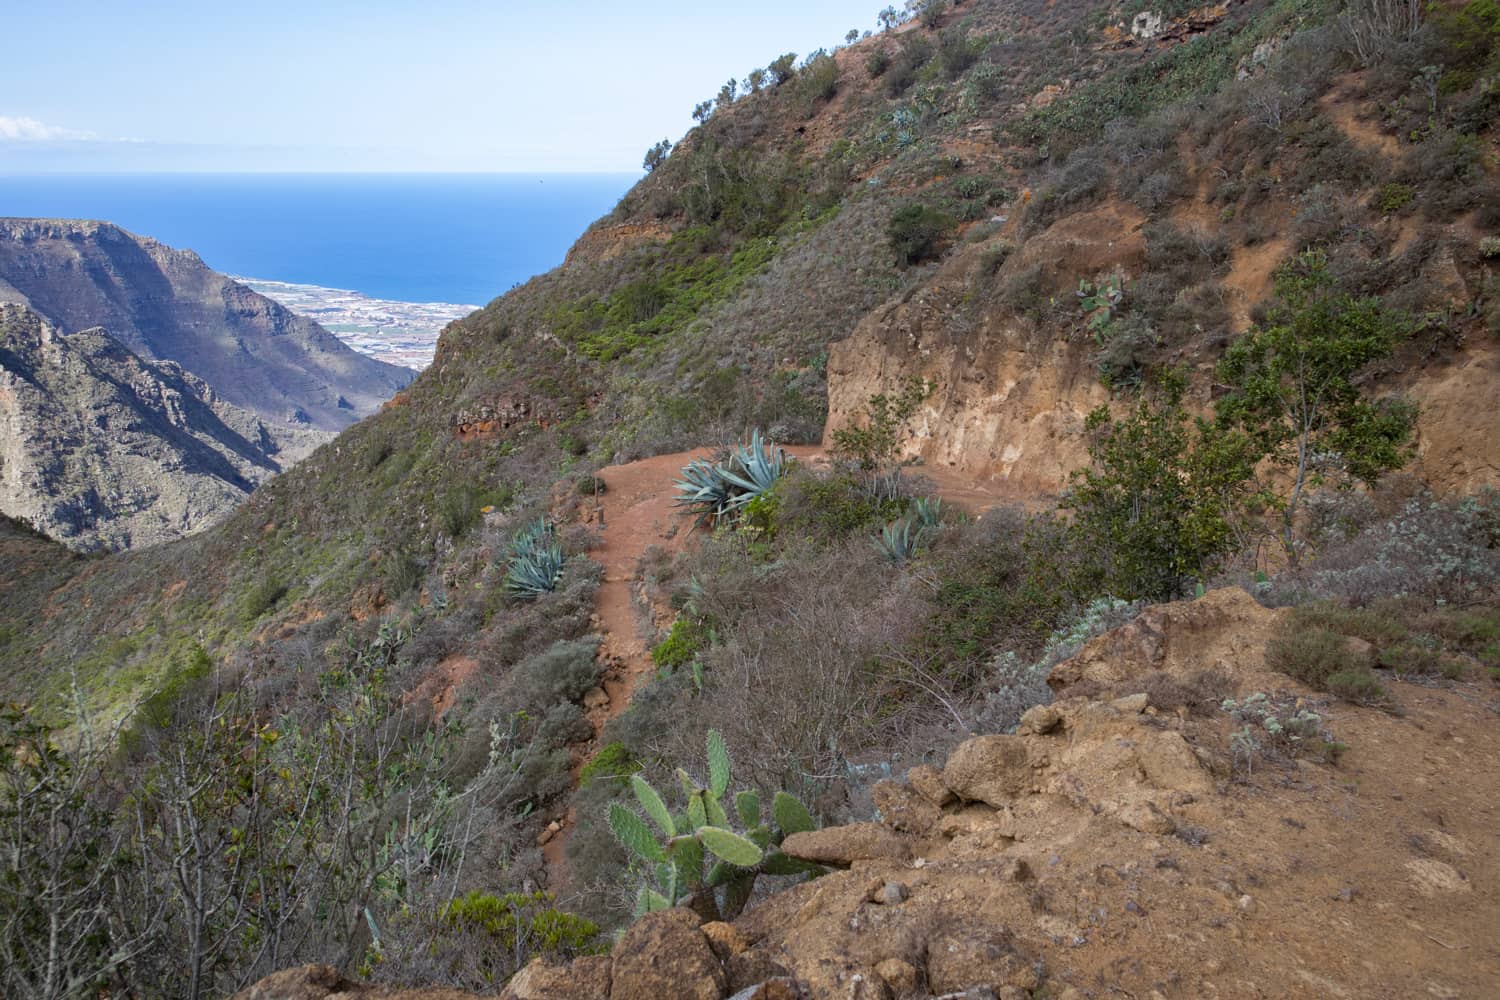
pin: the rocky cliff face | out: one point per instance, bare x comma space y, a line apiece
166, 304
100, 448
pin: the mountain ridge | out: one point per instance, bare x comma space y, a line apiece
103, 449
166, 303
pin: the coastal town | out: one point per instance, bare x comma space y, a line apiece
401, 333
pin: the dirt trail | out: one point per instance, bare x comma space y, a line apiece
634, 513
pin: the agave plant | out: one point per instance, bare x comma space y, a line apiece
695, 853
928, 511
536, 561
898, 541
720, 490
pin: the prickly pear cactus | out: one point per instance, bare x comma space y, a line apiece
698, 853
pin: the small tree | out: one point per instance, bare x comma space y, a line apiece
728, 92
1165, 499
657, 155
851, 36
916, 232
783, 68
872, 447
702, 111
1294, 385
756, 81
888, 19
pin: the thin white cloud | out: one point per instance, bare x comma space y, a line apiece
20, 128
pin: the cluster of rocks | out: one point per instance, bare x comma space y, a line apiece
923, 901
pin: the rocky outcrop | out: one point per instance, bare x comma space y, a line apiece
1225, 631
1114, 846
100, 448
167, 305
1008, 399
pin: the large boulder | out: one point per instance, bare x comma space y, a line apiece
583, 979
844, 845
666, 956
990, 769
1224, 631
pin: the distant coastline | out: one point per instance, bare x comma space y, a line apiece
401, 333
421, 238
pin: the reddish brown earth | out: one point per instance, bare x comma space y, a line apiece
635, 513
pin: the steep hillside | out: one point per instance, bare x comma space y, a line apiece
104, 450
1083, 226
1119, 845
165, 304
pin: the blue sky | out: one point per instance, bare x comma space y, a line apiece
437, 85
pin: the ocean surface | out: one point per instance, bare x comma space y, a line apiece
463, 238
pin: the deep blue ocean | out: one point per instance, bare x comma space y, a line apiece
463, 238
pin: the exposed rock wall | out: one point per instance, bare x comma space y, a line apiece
1009, 397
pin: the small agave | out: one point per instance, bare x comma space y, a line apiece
715, 490
897, 541
536, 561
928, 511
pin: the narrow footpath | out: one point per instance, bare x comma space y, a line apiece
634, 513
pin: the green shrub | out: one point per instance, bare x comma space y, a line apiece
614, 763
826, 508
458, 510
817, 81
687, 637
1393, 197
956, 51
262, 596
522, 920
1323, 660
1379, 626
877, 63
1417, 657
1164, 498
917, 233
915, 53
783, 68
403, 571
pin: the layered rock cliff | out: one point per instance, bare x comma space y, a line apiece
100, 448
166, 304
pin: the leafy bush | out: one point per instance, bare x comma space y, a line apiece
914, 54
783, 68
262, 596
1293, 386
526, 922
614, 763
872, 447
917, 233
956, 51
1393, 197
560, 673
1164, 502
1323, 660
817, 81
687, 637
